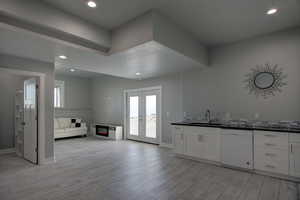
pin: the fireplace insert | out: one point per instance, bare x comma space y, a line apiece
102, 130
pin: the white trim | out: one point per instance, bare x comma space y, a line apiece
143, 89
6, 151
41, 108
48, 161
61, 85
166, 145
159, 88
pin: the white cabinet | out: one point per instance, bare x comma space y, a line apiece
197, 142
271, 152
294, 150
203, 143
178, 139
275, 152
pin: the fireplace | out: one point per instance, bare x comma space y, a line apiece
102, 130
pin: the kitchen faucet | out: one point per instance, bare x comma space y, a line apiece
207, 115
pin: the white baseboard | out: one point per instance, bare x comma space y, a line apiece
48, 161
6, 151
166, 145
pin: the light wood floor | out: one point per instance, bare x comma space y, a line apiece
90, 169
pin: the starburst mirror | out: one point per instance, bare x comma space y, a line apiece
265, 80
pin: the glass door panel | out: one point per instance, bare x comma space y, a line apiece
151, 116
143, 115
134, 115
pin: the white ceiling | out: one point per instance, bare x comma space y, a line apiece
150, 59
214, 22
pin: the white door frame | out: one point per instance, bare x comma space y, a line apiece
41, 109
159, 88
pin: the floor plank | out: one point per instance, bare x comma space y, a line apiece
92, 169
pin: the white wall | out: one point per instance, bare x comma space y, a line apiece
9, 84
221, 86
108, 99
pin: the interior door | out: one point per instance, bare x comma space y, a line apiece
30, 120
143, 115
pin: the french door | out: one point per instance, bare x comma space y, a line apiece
143, 117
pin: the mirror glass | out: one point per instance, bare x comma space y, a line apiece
264, 80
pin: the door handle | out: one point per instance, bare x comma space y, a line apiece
270, 154
23, 123
268, 135
291, 148
269, 144
270, 166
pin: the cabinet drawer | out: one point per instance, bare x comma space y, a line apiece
201, 130
267, 139
177, 129
294, 137
272, 160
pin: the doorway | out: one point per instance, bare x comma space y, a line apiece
28, 105
30, 120
143, 114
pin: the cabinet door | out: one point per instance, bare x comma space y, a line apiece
195, 145
203, 143
212, 146
179, 143
178, 140
295, 159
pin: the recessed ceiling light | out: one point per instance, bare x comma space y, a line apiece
138, 73
91, 4
272, 11
72, 70
63, 57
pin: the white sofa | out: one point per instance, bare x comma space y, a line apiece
64, 127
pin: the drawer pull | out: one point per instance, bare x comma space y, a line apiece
270, 166
270, 144
270, 154
268, 135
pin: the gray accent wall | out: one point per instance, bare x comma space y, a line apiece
108, 99
9, 84
78, 98
219, 87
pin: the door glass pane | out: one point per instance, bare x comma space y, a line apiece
151, 116
134, 115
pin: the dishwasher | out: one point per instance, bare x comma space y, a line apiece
237, 148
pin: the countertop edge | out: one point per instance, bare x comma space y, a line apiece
238, 127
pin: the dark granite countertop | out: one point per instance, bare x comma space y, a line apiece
241, 127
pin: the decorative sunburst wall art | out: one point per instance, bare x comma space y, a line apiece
265, 80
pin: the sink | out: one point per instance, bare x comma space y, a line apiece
205, 123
